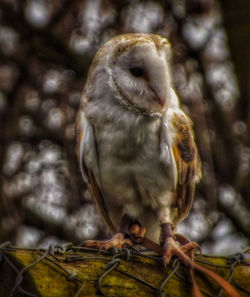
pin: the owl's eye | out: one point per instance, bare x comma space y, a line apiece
137, 71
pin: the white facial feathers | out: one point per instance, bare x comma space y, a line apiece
138, 72
141, 77
135, 69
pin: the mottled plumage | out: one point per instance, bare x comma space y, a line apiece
136, 150
135, 145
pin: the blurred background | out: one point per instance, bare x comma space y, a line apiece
46, 47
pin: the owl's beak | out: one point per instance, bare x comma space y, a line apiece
161, 101
158, 79
159, 96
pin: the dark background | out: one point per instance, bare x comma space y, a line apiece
46, 47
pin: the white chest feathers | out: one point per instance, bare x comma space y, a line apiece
131, 171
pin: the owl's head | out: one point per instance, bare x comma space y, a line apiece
138, 71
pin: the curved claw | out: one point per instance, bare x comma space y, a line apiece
183, 240
171, 248
191, 246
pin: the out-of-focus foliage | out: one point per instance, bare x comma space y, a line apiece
46, 47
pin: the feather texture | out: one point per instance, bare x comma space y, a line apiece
187, 163
86, 150
135, 146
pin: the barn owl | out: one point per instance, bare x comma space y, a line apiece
136, 150
135, 145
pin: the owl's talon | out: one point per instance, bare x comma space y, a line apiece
184, 241
191, 246
171, 248
117, 242
177, 245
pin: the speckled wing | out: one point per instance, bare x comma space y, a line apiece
184, 159
87, 157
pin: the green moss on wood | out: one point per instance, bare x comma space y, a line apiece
46, 279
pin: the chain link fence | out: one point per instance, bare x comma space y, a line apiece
68, 253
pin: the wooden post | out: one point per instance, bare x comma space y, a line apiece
77, 271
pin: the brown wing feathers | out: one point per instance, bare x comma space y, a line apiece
99, 202
187, 164
90, 179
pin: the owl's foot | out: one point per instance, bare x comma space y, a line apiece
118, 241
184, 252
131, 232
177, 245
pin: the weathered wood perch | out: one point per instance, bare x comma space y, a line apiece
76, 272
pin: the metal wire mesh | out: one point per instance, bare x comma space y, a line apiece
111, 260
